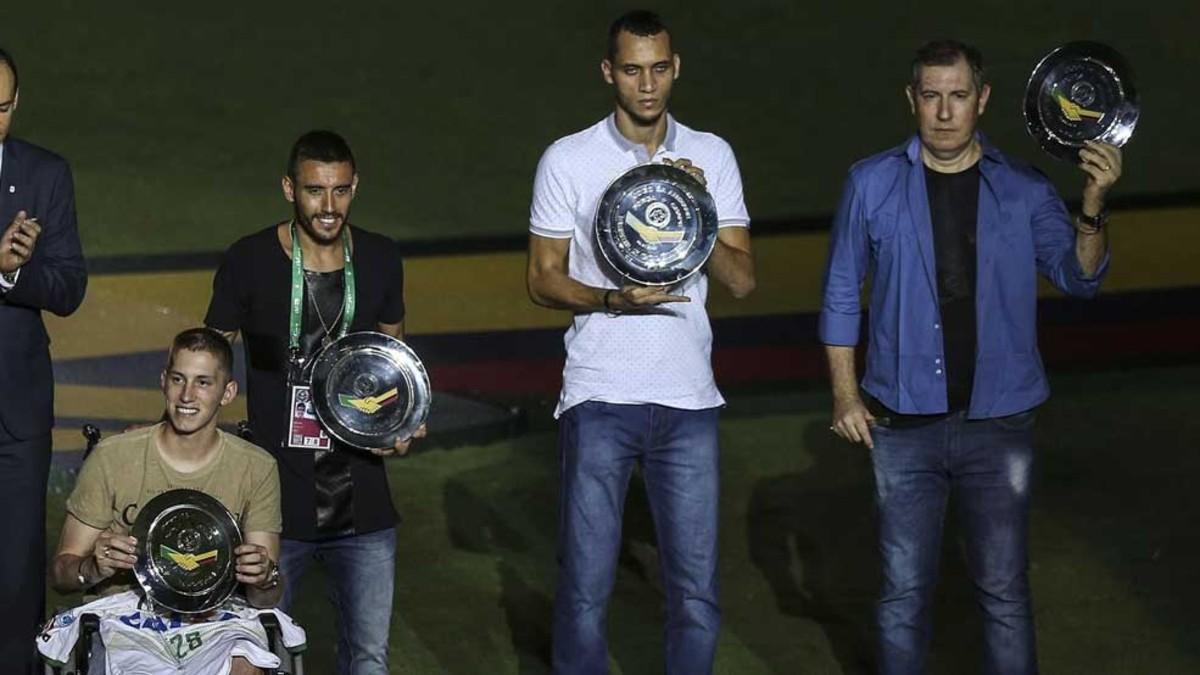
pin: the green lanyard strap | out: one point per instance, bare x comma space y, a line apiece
296, 314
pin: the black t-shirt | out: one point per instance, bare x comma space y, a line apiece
343, 491
954, 211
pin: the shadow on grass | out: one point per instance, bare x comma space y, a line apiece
1115, 545
516, 525
476, 526
810, 535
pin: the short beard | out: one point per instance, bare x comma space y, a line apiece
312, 232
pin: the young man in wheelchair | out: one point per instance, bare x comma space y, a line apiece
96, 553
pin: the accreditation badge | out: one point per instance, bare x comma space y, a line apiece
305, 431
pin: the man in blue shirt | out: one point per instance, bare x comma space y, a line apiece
952, 234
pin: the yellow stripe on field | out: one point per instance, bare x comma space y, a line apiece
125, 313
73, 400
1152, 249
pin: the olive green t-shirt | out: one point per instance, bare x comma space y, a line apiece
126, 471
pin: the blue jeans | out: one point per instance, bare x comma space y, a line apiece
361, 571
599, 443
986, 465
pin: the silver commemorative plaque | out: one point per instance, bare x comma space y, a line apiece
185, 560
656, 225
370, 390
1079, 92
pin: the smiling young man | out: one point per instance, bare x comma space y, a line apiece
289, 289
638, 385
96, 553
952, 234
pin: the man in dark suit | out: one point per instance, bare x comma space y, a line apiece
41, 268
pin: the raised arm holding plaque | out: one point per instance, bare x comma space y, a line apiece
1080, 92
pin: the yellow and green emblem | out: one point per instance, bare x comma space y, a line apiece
187, 561
369, 404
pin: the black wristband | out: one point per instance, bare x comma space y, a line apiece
607, 305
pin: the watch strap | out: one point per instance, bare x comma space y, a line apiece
1097, 221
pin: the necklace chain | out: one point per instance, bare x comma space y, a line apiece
326, 327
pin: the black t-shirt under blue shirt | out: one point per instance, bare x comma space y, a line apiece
954, 213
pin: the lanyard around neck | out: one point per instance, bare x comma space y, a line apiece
297, 307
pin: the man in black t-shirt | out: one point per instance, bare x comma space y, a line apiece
950, 235
336, 504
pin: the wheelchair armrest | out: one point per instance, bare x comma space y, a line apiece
89, 627
270, 624
291, 664
244, 431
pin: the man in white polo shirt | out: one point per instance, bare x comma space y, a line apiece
638, 384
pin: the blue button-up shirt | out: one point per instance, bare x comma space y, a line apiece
882, 233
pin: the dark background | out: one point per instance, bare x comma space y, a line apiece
177, 117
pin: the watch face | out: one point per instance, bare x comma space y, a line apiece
272, 577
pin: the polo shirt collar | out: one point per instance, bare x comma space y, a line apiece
626, 144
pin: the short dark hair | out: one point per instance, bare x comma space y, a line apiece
322, 146
947, 53
203, 339
5, 57
640, 22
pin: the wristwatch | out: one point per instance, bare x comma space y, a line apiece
272, 578
83, 584
1095, 222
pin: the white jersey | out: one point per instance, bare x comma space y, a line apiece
661, 356
139, 642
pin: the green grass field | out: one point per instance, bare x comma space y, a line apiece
177, 119
1114, 549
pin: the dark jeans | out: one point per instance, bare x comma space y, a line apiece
599, 443
361, 570
986, 465
24, 468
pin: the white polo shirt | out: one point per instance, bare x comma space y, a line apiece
661, 356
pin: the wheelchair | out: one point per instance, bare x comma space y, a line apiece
89, 647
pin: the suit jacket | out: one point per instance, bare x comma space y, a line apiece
38, 182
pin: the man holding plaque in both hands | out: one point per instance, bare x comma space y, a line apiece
952, 234
290, 289
96, 553
638, 385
